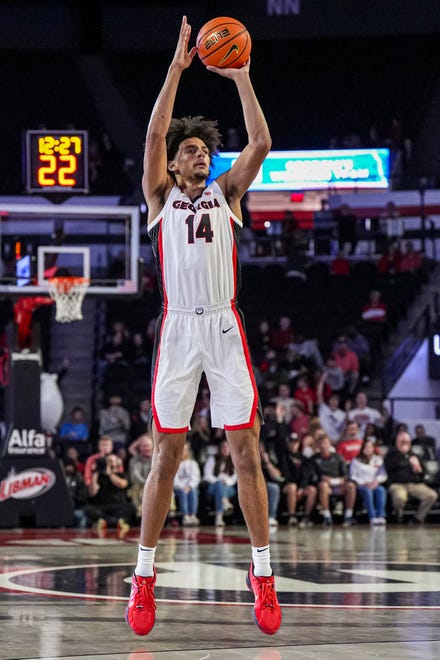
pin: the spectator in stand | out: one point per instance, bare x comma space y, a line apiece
300, 481
284, 401
412, 261
273, 478
260, 340
294, 364
221, 478
389, 263
347, 230
324, 227
114, 421
139, 467
309, 444
105, 448
270, 368
108, 504
140, 421
427, 442
363, 414
300, 421
73, 454
406, 478
186, 487
305, 394
331, 417
375, 310
200, 436
334, 377
340, 264
116, 349
350, 443
375, 321
139, 352
76, 430
308, 348
390, 223
389, 430
368, 472
375, 434
331, 470
77, 491
358, 343
348, 361
283, 335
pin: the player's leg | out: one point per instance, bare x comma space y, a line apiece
167, 454
158, 490
252, 495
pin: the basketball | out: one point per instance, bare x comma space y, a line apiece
224, 42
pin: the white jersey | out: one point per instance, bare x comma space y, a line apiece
196, 249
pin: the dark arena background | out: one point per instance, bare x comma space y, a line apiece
339, 252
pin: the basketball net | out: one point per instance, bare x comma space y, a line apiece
68, 294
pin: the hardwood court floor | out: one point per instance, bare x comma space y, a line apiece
359, 593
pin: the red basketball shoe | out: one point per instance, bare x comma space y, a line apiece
141, 610
267, 611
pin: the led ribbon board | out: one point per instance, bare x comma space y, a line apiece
315, 170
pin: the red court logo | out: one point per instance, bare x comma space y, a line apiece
26, 484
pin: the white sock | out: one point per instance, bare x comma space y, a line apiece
348, 513
261, 561
326, 513
145, 561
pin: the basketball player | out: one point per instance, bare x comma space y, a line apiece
194, 230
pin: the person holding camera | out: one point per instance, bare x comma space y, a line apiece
108, 504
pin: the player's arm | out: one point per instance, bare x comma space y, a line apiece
156, 179
236, 181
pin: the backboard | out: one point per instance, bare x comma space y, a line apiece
38, 241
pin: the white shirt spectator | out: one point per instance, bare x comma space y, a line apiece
363, 416
364, 473
188, 474
332, 421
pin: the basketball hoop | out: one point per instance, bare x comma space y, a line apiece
68, 293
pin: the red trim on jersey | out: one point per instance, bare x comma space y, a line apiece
161, 260
247, 354
156, 366
234, 257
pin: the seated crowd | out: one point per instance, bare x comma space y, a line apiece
325, 452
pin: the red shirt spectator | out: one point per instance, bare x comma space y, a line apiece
375, 309
283, 335
340, 265
345, 358
390, 262
306, 395
411, 258
300, 422
350, 445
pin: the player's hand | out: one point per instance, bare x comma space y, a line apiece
234, 74
182, 56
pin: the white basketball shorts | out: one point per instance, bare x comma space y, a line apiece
190, 342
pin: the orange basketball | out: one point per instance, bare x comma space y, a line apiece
224, 42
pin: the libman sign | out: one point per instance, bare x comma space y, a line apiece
26, 484
316, 169
25, 442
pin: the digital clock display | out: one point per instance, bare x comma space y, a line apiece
56, 161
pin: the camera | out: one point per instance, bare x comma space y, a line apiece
101, 465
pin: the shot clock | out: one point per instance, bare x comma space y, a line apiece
56, 161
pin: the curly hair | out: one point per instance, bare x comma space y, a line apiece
204, 129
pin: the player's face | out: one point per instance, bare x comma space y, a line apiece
192, 159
